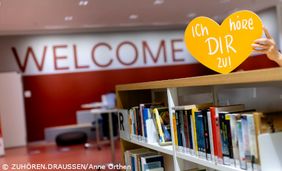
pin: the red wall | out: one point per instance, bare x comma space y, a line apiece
56, 98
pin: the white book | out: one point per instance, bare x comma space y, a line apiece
235, 142
210, 135
252, 136
152, 134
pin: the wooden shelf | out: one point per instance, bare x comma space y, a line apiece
163, 149
243, 77
206, 163
129, 95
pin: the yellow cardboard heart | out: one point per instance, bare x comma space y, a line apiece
223, 47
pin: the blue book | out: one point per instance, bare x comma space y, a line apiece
189, 112
146, 116
200, 132
179, 137
132, 163
152, 165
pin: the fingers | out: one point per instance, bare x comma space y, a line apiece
261, 51
267, 34
265, 41
260, 47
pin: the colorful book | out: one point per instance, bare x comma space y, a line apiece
246, 141
175, 129
193, 108
186, 129
253, 140
211, 136
152, 165
190, 128
234, 135
243, 163
130, 157
146, 115
206, 133
141, 110
226, 140
200, 134
161, 117
195, 140
182, 134
152, 158
216, 130
178, 130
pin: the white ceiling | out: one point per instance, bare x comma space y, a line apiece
45, 16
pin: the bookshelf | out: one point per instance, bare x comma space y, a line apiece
154, 146
248, 87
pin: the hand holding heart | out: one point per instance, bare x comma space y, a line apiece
268, 46
223, 47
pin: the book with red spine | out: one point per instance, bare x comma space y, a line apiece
216, 128
216, 133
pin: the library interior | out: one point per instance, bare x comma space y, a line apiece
151, 85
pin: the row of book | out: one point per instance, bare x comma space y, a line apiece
150, 123
143, 159
225, 135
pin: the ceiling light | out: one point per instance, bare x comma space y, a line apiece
68, 18
192, 15
83, 3
133, 17
158, 2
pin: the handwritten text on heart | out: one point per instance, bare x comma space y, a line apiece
223, 47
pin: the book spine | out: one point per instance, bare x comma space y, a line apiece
126, 156
252, 140
218, 139
139, 125
146, 112
193, 150
224, 138
234, 135
178, 128
130, 122
243, 164
158, 125
214, 132
141, 110
135, 123
211, 135
257, 120
200, 134
194, 131
133, 163
181, 116
190, 130
186, 132
229, 136
175, 129
246, 141
206, 134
